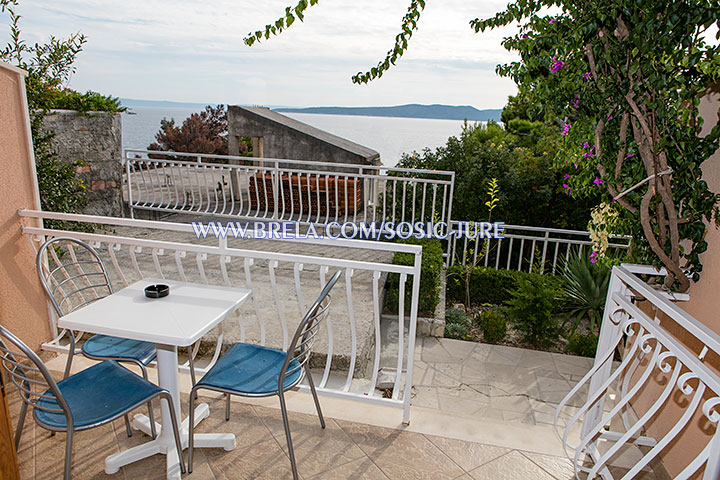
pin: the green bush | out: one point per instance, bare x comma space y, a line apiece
583, 345
531, 310
430, 271
493, 325
457, 331
68, 99
488, 285
455, 316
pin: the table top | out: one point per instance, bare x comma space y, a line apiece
179, 319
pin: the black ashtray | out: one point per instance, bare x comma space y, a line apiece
157, 291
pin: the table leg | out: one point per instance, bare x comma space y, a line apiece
165, 442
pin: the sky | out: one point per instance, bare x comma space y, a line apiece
190, 51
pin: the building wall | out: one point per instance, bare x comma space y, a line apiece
23, 308
281, 140
95, 139
703, 305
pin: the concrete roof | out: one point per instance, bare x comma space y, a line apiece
322, 135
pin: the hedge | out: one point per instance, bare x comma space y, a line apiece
430, 272
488, 285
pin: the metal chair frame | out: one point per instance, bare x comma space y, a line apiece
300, 353
83, 275
19, 375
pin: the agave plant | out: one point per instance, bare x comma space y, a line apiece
586, 285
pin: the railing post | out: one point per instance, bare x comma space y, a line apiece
545, 245
412, 331
129, 185
609, 332
276, 190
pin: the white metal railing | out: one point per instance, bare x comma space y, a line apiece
658, 376
278, 189
275, 278
529, 249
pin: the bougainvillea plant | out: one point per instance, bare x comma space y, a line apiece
622, 79
626, 97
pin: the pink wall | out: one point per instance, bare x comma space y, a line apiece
705, 302
23, 308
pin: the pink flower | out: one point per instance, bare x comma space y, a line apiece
594, 257
586, 76
567, 176
557, 65
576, 104
590, 153
629, 155
566, 130
566, 186
597, 181
553, 20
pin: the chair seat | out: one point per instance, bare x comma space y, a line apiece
96, 395
251, 370
116, 348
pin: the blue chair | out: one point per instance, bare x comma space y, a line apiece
88, 399
73, 275
256, 371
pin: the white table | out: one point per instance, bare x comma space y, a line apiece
178, 320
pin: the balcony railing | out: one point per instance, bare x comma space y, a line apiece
528, 249
659, 388
277, 189
283, 284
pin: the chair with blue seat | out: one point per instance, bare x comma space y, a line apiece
74, 275
256, 371
88, 399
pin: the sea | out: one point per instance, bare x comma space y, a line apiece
391, 137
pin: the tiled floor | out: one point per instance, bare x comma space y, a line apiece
481, 381
344, 450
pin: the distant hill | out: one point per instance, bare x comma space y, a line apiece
132, 102
448, 112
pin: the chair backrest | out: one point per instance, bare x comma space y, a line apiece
30, 375
72, 274
302, 342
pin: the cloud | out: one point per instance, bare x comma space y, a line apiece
186, 51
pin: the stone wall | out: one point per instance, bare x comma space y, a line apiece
94, 138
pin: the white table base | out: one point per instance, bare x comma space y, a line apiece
162, 445
165, 441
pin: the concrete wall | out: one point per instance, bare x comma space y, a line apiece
703, 305
284, 137
95, 139
23, 308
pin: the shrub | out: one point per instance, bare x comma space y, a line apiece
204, 132
458, 331
586, 286
430, 271
493, 325
68, 99
583, 345
488, 285
531, 309
455, 315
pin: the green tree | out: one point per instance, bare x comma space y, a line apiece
624, 80
522, 161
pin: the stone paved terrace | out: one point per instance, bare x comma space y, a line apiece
360, 442
482, 381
